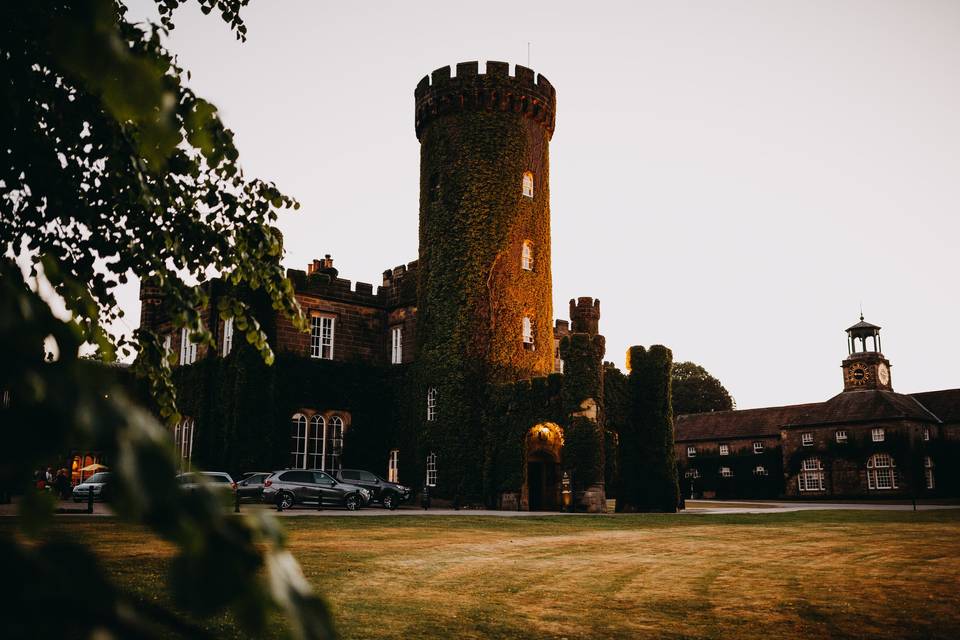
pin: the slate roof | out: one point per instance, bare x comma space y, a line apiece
867, 405
944, 404
746, 423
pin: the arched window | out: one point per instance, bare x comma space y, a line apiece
334, 443
298, 441
760, 470
183, 443
432, 404
227, 336
315, 442
528, 184
811, 475
527, 332
526, 257
432, 470
881, 472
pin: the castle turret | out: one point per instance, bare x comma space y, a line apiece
150, 300
585, 316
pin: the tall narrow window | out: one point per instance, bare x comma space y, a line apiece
298, 441
881, 472
183, 443
167, 344
526, 257
396, 349
528, 184
928, 472
334, 443
432, 404
315, 442
227, 336
432, 470
188, 349
811, 475
393, 466
321, 337
527, 333
926, 434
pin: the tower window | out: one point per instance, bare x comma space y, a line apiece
528, 184
881, 472
527, 333
227, 336
431, 404
432, 470
877, 435
321, 337
811, 475
526, 257
724, 450
396, 352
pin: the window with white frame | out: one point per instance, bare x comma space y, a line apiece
811, 475
393, 466
167, 344
881, 472
724, 450
526, 257
926, 434
807, 439
333, 445
726, 472
227, 336
758, 447
298, 441
321, 337
928, 472
557, 360
841, 436
396, 345
760, 470
183, 443
691, 452
432, 404
877, 435
188, 349
527, 332
528, 184
692, 473
315, 438
432, 470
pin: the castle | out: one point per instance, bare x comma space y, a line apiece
454, 375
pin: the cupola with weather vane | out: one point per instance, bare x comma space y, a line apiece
865, 366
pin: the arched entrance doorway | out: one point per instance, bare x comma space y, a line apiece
543, 445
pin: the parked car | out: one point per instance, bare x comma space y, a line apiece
291, 487
98, 484
250, 487
390, 494
217, 481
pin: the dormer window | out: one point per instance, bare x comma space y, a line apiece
526, 257
528, 184
527, 333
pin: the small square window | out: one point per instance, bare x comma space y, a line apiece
877, 435
691, 452
758, 447
760, 470
807, 439
841, 436
726, 472
724, 450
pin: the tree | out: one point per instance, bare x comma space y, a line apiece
112, 168
696, 391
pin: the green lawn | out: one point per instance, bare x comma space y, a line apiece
810, 574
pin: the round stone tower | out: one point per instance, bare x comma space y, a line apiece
485, 291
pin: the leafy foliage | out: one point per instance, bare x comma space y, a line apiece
696, 391
112, 169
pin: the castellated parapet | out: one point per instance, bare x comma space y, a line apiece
525, 93
585, 315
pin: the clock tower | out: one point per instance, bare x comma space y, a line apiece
865, 366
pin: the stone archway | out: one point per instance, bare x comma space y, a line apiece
542, 450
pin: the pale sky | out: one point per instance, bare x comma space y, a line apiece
731, 179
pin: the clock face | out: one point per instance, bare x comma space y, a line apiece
859, 374
883, 374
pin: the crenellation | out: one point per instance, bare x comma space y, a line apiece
468, 69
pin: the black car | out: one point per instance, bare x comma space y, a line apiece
291, 487
250, 486
390, 494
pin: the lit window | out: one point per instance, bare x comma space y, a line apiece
393, 466
881, 472
527, 333
298, 444
396, 351
183, 443
811, 475
726, 472
692, 473
432, 470
321, 337
227, 336
315, 438
188, 349
807, 439
877, 435
526, 258
333, 444
928, 471
691, 452
758, 447
760, 470
926, 434
528, 184
724, 450
841, 436
432, 404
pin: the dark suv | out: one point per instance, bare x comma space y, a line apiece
389, 494
291, 487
